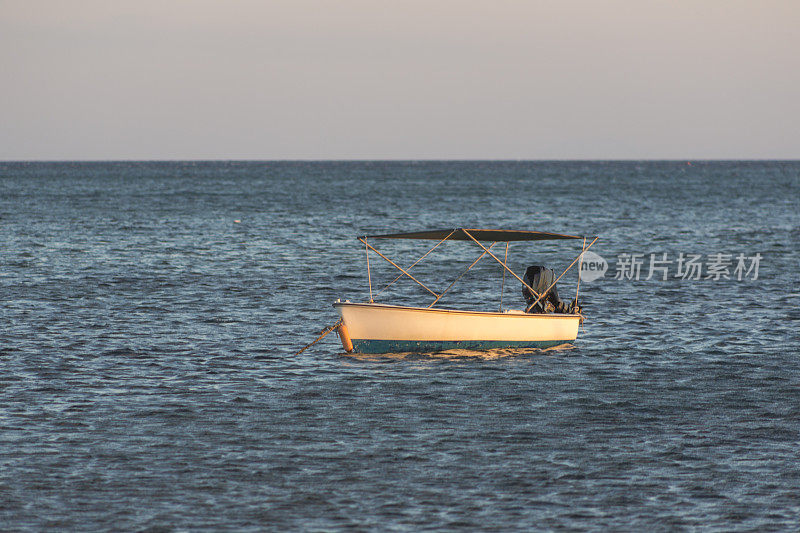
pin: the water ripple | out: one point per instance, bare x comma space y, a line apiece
149, 381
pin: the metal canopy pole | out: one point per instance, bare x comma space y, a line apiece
459, 277
415, 262
369, 276
580, 266
503, 284
397, 266
504, 265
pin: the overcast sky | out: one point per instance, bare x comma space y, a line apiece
406, 79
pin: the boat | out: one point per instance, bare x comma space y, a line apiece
546, 322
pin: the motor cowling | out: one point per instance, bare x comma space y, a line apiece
540, 279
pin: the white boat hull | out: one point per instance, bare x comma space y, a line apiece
381, 328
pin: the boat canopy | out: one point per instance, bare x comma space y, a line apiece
474, 235
460, 234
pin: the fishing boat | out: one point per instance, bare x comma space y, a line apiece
547, 321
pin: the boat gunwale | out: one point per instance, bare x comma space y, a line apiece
456, 311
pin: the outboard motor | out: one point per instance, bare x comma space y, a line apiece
540, 278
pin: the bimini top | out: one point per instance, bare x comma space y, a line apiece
460, 234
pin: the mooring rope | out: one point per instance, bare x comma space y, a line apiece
323, 333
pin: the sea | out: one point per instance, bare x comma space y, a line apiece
152, 315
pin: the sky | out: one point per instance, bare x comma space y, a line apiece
405, 79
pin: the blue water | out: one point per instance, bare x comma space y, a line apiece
149, 383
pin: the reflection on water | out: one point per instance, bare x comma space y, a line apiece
495, 353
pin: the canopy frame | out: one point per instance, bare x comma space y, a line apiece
474, 235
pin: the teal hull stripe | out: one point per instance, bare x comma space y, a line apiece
384, 346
